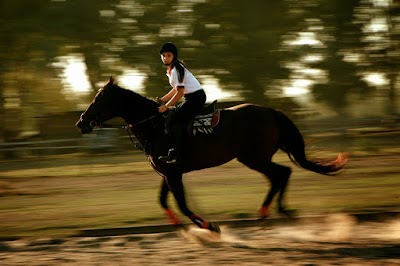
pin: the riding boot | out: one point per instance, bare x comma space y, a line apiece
174, 153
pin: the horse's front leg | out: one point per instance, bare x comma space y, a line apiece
172, 217
176, 186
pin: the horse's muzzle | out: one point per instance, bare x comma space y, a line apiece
85, 127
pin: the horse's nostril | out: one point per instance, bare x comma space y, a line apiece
93, 123
79, 124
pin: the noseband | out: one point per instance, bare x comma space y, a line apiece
91, 124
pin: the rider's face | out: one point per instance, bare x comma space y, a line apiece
167, 57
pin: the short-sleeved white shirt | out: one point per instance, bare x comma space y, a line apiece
189, 82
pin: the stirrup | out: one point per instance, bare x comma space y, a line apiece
170, 158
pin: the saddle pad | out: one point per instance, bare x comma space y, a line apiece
205, 123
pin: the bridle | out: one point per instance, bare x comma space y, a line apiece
136, 128
128, 128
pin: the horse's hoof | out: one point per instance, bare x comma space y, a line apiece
263, 212
214, 227
172, 217
288, 213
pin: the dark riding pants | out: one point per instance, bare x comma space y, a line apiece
183, 114
192, 105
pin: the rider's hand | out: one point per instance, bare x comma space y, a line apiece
158, 100
162, 108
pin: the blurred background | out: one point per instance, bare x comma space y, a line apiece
330, 60
332, 66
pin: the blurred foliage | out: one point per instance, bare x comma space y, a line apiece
242, 44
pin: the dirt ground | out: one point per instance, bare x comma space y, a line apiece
337, 239
333, 239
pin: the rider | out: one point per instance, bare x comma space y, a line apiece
184, 84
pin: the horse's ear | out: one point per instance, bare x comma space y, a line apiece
110, 83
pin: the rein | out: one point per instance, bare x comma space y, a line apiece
147, 119
136, 144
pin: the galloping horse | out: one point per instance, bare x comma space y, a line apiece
250, 133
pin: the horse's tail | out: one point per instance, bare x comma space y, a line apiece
292, 143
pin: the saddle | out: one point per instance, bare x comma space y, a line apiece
205, 121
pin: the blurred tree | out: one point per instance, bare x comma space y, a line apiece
337, 18
240, 43
76, 26
18, 21
244, 40
33, 34
380, 45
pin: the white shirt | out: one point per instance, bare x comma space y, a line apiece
189, 82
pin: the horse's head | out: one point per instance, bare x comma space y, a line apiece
100, 110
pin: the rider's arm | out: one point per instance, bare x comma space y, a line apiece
179, 91
178, 94
168, 96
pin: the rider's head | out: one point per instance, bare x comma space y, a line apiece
169, 47
169, 57
168, 53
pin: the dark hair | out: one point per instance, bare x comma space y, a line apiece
180, 67
170, 47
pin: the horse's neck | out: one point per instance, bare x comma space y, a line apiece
142, 114
138, 108
135, 116
149, 133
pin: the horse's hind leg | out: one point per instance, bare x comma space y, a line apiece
278, 176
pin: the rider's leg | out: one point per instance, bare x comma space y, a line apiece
170, 138
184, 113
176, 143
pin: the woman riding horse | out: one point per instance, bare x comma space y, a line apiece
183, 84
250, 133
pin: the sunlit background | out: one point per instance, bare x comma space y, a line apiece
332, 66
326, 59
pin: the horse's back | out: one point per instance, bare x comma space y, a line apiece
243, 106
250, 129
250, 121
251, 113
243, 129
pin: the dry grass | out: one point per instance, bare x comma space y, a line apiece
60, 194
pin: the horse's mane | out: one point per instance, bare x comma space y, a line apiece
135, 97
135, 106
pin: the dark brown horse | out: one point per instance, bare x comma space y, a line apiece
250, 133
